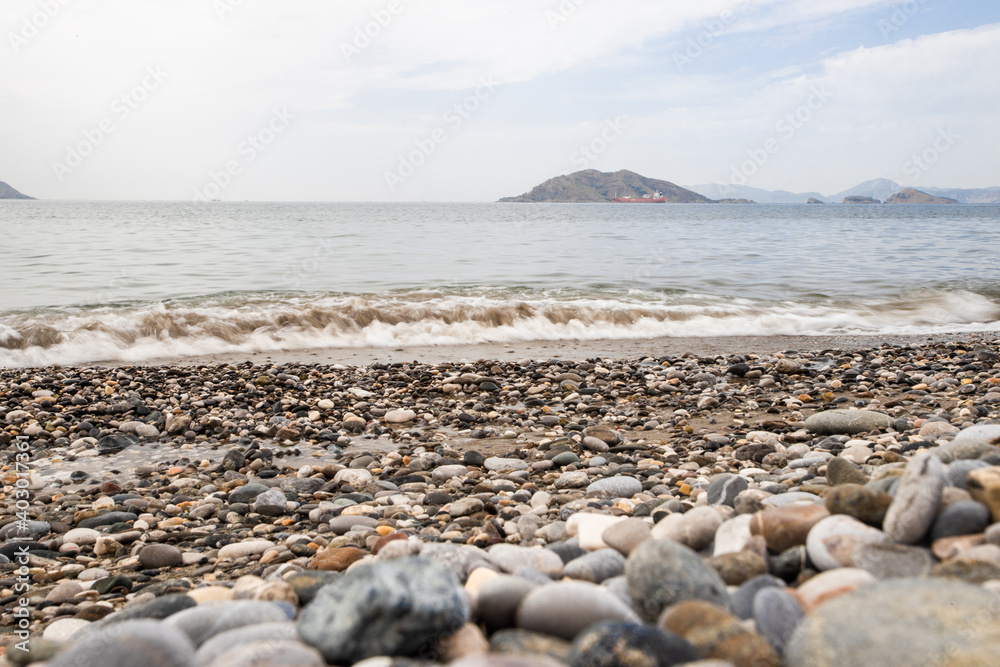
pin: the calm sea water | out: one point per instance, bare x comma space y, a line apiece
91, 281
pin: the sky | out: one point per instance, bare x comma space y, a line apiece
473, 100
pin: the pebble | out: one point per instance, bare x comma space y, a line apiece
609, 644
661, 573
615, 487
150, 644
849, 422
776, 613
918, 496
625, 536
243, 549
563, 609
832, 541
155, 556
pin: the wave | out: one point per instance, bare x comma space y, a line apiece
138, 332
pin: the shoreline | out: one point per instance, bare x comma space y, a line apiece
609, 349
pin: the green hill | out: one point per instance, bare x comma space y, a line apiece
596, 186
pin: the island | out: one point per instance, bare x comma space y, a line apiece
736, 201
592, 186
911, 196
813, 200
855, 199
7, 192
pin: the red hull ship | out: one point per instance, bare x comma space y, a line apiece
648, 199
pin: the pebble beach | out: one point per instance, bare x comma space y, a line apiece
825, 507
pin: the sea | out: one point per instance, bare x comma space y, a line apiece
89, 281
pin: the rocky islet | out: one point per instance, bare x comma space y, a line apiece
780, 509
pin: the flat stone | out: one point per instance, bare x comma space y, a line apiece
918, 497
847, 422
400, 416
339, 525
241, 549
496, 464
589, 528
661, 573
384, 608
565, 608
620, 486
138, 642
832, 541
865, 627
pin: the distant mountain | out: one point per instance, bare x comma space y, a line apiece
970, 196
723, 191
880, 188
911, 196
7, 192
595, 186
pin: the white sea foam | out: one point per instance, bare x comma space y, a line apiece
137, 333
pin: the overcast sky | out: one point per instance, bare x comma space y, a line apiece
473, 100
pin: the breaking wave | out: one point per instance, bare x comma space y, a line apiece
261, 322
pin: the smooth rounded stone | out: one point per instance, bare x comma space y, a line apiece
336, 559
596, 566
523, 643
162, 607
958, 471
107, 519
604, 433
64, 591
499, 598
724, 488
963, 450
340, 525
624, 536
568, 550
984, 485
733, 535
589, 527
466, 506
269, 653
828, 585
792, 498
242, 549
695, 528
892, 561
716, 633
743, 596
30, 530
965, 517
137, 642
207, 594
357, 477
787, 526
384, 608
563, 609
61, 629
565, 459
593, 444
224, 641
832, 541
444, 473
987, 433
459, 559
847, 422
81, 536
400, 416
864, 503
858, 454
776, 613
620, 486
736, 568
932, 430
841, 471
901, 622
495, 464
661, 573
629, 645
509, 558
205, 621
574, 479
270, 503
246, 493
918, 497
155, 556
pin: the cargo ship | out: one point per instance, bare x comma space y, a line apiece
645, 199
